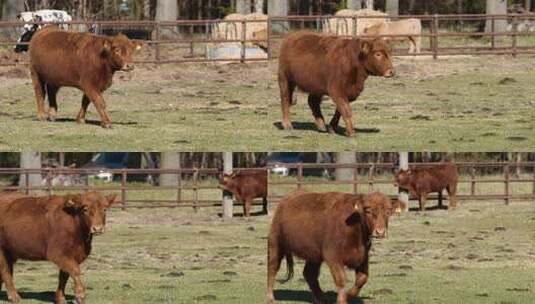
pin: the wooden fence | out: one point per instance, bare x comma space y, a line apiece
196, 34
472, 174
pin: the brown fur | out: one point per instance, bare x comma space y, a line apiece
422, 181
246, 186
84, 61
9, 196
58, 229
325, 65
335, 228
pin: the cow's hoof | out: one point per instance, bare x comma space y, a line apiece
322, 128
80, 300
350, 134
60, 300
42, 117
15, 298
80, 120
106, 125
287, 126
51, 118
331, 129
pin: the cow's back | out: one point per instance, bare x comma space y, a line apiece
437, 177
253, 184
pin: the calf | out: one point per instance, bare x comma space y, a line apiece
246, 186
325, 65
58, 229
38, 16
408, 29
335, 228
422, 181
84, 61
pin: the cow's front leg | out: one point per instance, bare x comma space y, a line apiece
40, 94
314, 102
361, 277
423, 200
343, 106
339, 276
6, 272
60, 293
247, 207
100, 105
311, 273
73, 269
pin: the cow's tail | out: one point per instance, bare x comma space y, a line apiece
289, 267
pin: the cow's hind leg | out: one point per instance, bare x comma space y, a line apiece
452, 196
333, 125
265, 205
6, 272
83, 110
339, 275
275, 256
40, 94
52, 102
62, 282
311, 274
344, 108
423, 200
286, 90
247, 207
314, 102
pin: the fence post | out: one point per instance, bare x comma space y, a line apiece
533, 185
27, 180
227, 202
195, 189
355, 180
191, 32
243, 38
49, 181
268, 37
299, 176
514, 37
472, 181
493, 31
123, 188
506, 181
179, 187
435, 36
371, 176
157, 46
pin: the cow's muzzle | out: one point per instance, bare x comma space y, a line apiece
128, 67
379, 233
96, 230
389, 73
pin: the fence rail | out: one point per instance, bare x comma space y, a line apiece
192, 38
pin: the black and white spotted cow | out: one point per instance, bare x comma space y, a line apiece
53, 16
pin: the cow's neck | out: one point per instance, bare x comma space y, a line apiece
86, 236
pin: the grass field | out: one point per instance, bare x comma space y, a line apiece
453, 104
480, 253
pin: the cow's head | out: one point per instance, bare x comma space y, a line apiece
119, 50
25, 38
91, 207
398, 206
228, 182
376, 208
403, 179
377, 57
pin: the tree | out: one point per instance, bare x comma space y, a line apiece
228, 204
243, 7
166, 10
497, 7
259, 6
392, 7
11, 9
146, 10
369, 4
354, 4
278, 8
169, 160
30, 160
345, 158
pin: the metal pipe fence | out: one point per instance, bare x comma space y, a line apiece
193, 187
373, 176
193, 35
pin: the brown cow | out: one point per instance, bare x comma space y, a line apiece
333, 227
9, 196
84, 61
246, 186
58, 229
325, 65
422, 181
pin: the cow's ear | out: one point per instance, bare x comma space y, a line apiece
73, 203
365, 47
106, 47
111, 199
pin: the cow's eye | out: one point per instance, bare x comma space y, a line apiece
378, 54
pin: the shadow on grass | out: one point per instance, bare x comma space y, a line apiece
97, 122
45, 296
305, 296
310, 126
432, 208
240, 214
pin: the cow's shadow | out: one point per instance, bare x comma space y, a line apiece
305, 296
97, 122
310, 126
44, 296
432, 208
240, 214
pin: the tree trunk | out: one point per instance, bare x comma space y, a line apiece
166, 10
345, 158
354, 4
169, 160
11, 9
146, 10
243, 7
278, 8
497, 7
369, 4
403, 195
30, 160
392, 7
228, 205
259, 6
